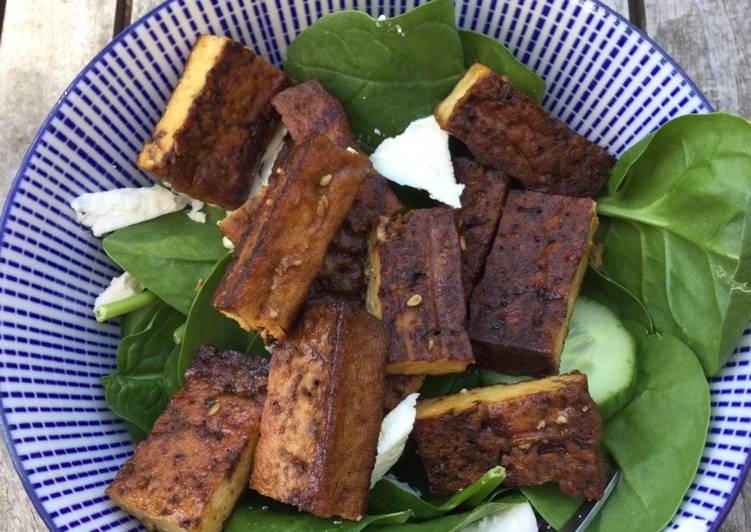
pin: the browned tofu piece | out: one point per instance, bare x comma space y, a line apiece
279, 257
398, 387
214, 131
342, 274
415, 287
321, 420
546, 430
482, 201
308, 109
196, 460
505, 129
519, 311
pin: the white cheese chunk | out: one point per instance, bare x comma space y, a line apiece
114, 209
395, 429
269, 158
227, 243
120, 288
420, 158
517, 518
195, 213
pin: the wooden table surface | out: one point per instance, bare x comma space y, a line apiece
44, 43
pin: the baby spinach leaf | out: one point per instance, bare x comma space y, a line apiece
386, 73
436, 385
675, 231
548, 501
139, 319
481, 49
206, 325
489, 377
453, 522
604, 290
135, 392
260, 514
170, 254
389, 496
658, 438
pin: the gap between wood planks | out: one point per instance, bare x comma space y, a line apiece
123, 12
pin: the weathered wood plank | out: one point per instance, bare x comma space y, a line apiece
711, 40
15, 507
619, 6
44, 45
739, 519
141, 7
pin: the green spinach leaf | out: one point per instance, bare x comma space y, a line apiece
658, 438
386, 73
676, 232
206, 325
481, 49
453, 522
259, 514
604, 290
388, 496
136, 392
436, 385
555, 507
170, 254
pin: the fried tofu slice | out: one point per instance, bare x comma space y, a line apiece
506, 130
195, 463
482, 199
283, 249
398, 387
308, 109
519, 311
546, 430
342, 274
321, 420
415, 287
217, 124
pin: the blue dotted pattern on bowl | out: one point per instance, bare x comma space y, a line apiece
605, 79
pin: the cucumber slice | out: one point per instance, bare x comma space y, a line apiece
599, 346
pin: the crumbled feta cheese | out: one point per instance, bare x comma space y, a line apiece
227, 243
269, 158
350, 149
376, 131
420, 158
395, 429
517, 518
194, 212
120, 288
114, 209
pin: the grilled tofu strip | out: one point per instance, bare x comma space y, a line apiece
321, 420
308, 110
519, 311
546, 430
397, 387
281, 253
415, 286
342, 274
214, 131
196, 461
505, 129
484, 195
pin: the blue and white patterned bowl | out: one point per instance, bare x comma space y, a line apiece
605, 79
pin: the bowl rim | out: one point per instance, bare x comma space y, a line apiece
5, 431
